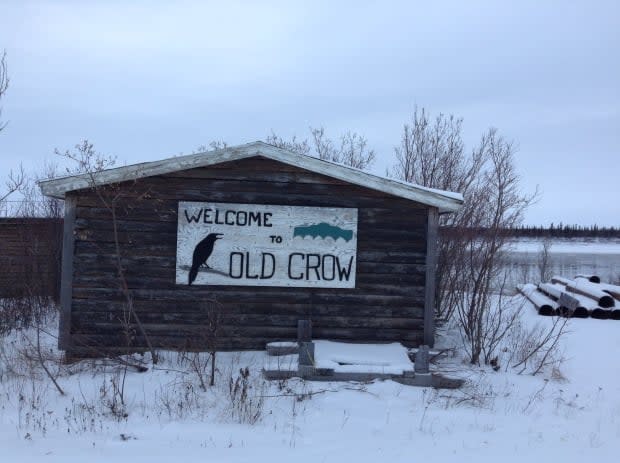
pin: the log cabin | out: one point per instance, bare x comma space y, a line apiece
265, 235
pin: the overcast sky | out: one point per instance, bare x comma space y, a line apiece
148, 80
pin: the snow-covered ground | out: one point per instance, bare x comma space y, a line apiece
498, 415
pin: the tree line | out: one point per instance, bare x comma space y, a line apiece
564, 231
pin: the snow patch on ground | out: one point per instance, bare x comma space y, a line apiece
497, 415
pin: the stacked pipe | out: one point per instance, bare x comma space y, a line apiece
581, 298
610, 291
544, 305
568, 304
590, 278
590, 295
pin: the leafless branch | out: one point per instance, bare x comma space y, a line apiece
13, 183
4, 83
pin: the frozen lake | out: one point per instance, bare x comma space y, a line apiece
568, 257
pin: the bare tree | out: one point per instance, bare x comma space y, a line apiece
351, 149
432, 154
212, 146
544, 260
293, 144
13, 183
4, 83
33, 202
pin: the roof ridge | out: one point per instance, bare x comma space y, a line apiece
445, 201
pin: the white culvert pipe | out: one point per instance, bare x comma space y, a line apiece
544, 305
585, 303
591, 290
590, 278
568, 305
612, 290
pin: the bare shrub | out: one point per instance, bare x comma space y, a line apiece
24, 312
112, 394
198, 363
246, 398
179, 400
533, 350
432, 154
30, 318
209, 339
477, 392
83, 416
544, 260
13, 182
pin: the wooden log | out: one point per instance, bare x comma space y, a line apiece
543, 304
99, 309
304, 331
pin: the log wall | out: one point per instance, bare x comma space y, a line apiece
30, 250
387, 304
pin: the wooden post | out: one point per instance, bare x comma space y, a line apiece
422, 359
306, 353
66, 283
431, 268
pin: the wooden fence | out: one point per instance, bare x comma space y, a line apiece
30, 256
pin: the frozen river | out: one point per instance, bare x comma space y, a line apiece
567, 258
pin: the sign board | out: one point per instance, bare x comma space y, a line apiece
266, 245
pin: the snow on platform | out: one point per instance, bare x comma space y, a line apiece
362, 358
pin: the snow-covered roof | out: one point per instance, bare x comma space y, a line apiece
445, 201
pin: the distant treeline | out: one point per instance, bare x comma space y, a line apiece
566, 231
552, 231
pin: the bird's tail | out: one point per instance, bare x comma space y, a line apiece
193, 272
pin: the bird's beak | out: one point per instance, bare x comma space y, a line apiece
218, 236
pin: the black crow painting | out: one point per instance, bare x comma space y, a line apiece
202, 252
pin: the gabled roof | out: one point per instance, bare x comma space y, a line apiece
445, 201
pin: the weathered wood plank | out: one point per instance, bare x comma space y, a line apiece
431, 266
183, 313
66, 284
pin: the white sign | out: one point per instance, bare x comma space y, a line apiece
266, 245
